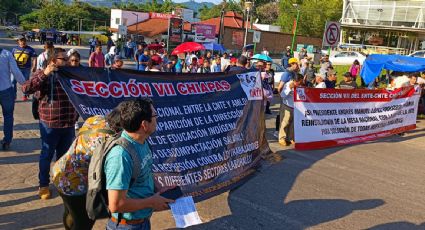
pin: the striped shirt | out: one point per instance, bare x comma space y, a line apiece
55, 109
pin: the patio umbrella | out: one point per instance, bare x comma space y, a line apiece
155, 46
262, 57
214, 46
249, 47
187, 47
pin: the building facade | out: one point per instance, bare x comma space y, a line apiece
385, 26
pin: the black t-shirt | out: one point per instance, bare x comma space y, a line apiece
345, 85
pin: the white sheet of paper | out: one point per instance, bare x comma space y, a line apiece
184, 212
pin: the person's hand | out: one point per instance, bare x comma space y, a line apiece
50, 68
164, 189
159, 203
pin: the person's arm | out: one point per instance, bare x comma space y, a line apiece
36, 82
15, 70
91, 59
119, 202
34, 64
280, 87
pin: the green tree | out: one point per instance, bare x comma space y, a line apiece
313, 15
215, 11
57, 14
267, 13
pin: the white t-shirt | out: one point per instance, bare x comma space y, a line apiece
321, 85
224, 63
42, 60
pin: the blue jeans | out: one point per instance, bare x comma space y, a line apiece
52, 140
143, 226
7, 101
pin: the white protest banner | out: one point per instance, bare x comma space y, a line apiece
331, 117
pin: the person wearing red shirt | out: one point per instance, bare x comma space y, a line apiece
97, 58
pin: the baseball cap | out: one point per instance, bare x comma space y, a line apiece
293, 60
321, 76
156, 60
288, 47
233, 59
21, 37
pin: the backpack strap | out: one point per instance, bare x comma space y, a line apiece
129, 147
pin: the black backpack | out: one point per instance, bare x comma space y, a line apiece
97, 196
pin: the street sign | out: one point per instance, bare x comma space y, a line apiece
256, 37
122, 30
332, 33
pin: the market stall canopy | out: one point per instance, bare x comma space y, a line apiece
375, 63
214, 46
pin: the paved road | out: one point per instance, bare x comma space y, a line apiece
376, 185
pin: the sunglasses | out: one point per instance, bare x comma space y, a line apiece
63, 59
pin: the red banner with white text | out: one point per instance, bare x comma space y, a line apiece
332, 117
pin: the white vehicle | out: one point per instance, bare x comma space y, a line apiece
13, 27
419, 53
347, 58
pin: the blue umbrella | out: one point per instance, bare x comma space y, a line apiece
262, 57
214, 46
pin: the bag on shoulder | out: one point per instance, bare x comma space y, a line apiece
97, 195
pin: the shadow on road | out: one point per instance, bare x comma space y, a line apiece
23, 127
24, 145
399, 226
265, 206
42, 218
18, 190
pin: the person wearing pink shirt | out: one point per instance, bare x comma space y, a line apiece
97, 58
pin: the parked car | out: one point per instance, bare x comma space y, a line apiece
13, 27
419, 53
347, 58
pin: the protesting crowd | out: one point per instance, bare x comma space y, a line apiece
118, 141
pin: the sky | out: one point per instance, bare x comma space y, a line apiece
213, 1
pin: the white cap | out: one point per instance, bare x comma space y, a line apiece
321, 76
71, 51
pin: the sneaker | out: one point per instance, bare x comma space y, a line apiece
285, 143
25, 98
44, 193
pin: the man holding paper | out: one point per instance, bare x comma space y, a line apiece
132, 202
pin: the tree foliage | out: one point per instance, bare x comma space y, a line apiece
57, 14
166, 7
267, 13
207, 13
313, 15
